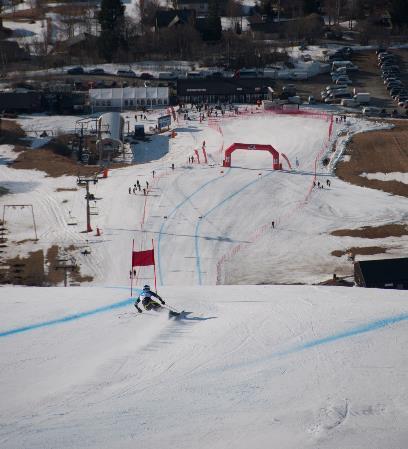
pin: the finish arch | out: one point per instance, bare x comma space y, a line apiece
250, 147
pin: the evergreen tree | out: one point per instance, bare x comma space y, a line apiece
213, 28
310, 7
111, 20
399, 12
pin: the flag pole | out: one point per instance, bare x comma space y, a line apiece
131, 269
154, 268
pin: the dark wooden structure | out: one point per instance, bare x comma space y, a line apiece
223, 90
21, 101
383, 273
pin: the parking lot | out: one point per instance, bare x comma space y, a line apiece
366, 79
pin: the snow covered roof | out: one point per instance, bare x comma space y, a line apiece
117, 93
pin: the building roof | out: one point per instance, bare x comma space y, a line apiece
191, 2
168, 18
384, 270
118, 93
223, 86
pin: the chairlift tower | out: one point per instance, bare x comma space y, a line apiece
67, 264
86, 181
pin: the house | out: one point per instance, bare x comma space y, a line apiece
80, 45
10, 51
120, 98
382, 273
199, 6
173, 17
21, 101
223, 90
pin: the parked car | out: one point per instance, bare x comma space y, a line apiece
390, 80
167, 75
389, 74
344, 81
127, 73
395, 91
370, 111
348, 64
334, 86
146, 76
76, 71
380, 50
97, 72
337, 96
349, 102
362, 97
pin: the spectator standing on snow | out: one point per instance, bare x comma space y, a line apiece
144, 191
130, 190
147, 184
273, 225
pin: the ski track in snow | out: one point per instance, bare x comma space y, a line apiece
247, 366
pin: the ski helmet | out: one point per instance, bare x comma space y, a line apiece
146, 287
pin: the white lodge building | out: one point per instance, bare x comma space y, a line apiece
122, 98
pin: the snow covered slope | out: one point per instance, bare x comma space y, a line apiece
209, 224
248, 366
254, 366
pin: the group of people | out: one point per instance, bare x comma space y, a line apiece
341, 118
320, 185
137, 187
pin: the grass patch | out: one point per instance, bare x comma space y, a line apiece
373, 232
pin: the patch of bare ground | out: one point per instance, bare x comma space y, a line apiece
54, 158
11, 133
54, 165
362, 250
382, 151
66, 189
30, 270
373, 232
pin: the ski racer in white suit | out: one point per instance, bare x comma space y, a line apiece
146, 297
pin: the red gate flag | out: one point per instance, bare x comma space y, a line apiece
205, 154
142, 258
197, 155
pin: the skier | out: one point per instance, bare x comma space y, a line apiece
146, 298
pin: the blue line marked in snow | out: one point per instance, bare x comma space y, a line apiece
362, 329
159, 269
229, 197
66, 319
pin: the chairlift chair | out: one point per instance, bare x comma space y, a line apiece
93, 210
